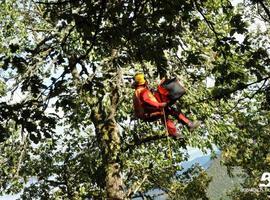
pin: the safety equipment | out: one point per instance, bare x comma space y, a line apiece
139, 79
138, 104
142, 109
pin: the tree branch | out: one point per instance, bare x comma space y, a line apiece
210, 25
140, 141
267, 11
233, 90
99, 20
242, 99
53, 3
136, 186
23, 151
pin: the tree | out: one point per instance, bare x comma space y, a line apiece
72, 61
249, 148
87, 92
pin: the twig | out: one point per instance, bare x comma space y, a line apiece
53, 3
210, 25
41, 30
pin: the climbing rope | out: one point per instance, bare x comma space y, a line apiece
169, 152
167, 134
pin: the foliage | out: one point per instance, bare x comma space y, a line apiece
73, 129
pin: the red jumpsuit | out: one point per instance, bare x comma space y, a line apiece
148, 108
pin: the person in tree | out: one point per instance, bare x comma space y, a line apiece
149, 107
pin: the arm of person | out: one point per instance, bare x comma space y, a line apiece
149, 98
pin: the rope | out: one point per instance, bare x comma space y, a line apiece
167, 134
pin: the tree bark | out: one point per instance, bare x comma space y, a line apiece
109, 139
114, 183
109, 143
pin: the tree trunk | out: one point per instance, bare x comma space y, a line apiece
109, 143
114, 183
108, 134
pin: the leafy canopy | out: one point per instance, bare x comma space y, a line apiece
71, 62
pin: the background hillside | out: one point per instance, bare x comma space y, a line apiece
221, 182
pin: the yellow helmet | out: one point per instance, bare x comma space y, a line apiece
139, 79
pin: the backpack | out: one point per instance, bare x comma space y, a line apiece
170, 90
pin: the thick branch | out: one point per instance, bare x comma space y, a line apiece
140, 141
53, 3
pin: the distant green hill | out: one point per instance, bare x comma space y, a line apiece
220, 184
221, 181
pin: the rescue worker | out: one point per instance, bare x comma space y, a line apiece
148, 108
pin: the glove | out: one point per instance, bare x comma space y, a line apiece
163, 105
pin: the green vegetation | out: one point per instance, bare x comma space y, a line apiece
72, 127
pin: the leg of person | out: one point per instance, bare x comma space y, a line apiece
177, 115
172, 130
150, 117
181, 117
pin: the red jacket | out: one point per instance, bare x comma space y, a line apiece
145, 102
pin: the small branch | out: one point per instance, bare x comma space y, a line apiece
39, 45
182, 62
53, 3
63, 41
50, 88
136, 186
99, 20
76, 59
41, 30
210, 25
267, 11
55, 183
250, 97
